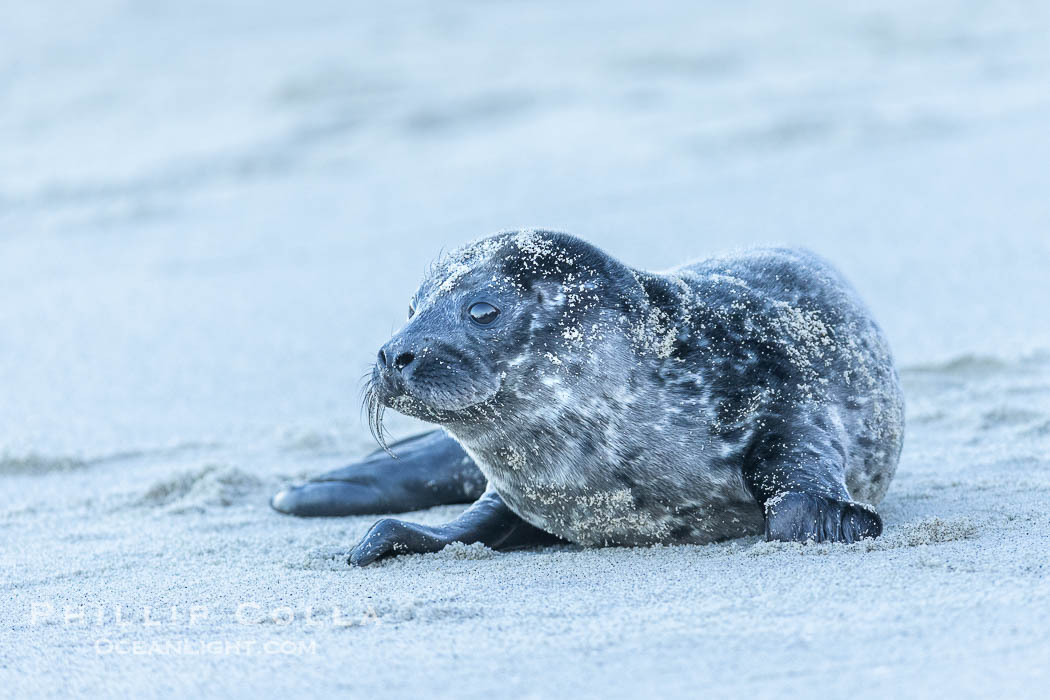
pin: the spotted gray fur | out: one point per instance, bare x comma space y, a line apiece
613, 406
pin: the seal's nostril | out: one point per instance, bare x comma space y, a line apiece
382, 358
402, 360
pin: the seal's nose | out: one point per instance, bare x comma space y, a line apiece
401, 358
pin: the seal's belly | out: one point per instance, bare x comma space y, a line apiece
599, 514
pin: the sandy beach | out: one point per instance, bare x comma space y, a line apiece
212, 216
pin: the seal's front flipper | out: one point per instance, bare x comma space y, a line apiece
801, 517
800, 483
431, 469
488, 521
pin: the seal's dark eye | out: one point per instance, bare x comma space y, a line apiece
483, 312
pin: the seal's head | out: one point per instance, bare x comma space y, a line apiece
484, 318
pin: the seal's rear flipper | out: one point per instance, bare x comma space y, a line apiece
430, 469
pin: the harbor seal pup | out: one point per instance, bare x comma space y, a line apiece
606, 405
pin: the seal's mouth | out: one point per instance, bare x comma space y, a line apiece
384, 390
440, 393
